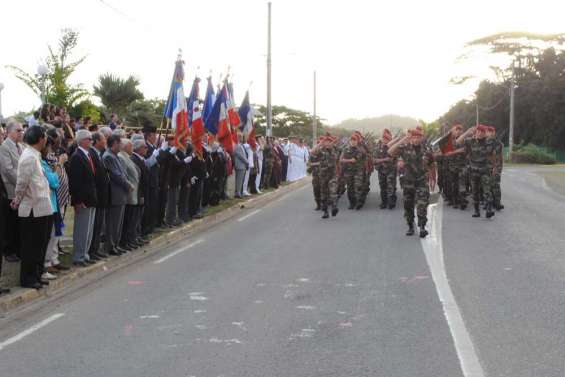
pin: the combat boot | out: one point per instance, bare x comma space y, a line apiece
383, 205
498, 206
351, 205
423, 232
477, 210
490, 212
318, 206
410, 231
359, 206
335, 210
326, 215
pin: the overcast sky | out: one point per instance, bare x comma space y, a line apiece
372, 57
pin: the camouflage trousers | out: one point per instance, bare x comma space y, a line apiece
456, 189
416, 194
366, 185
387, 184
316, 188
354, 183
328, 191
496, 192
481, 180
268, 172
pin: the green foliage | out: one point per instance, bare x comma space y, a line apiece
432, 130
55, 85
532, 154
140, 111
87, 109
116, 93
376, 125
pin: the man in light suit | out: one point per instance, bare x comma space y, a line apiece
241, 166
119, 189
10, 152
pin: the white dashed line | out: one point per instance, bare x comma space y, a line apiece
181, 250
30, 331
249, 215
433, 249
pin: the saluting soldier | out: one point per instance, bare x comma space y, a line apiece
418, 165
314, 168
481, 157
498, 147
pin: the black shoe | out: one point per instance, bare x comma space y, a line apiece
123, 249
423, 232
335, 210
498, 207
94, 258
44, 282
463, 207
410, 231
33, 286
351, 206
134, 245
391, 206
80, 264
101, 255
318, 207
326, 215
114, 252
477, 211
12, 258
90, 261
358, 207
197, 216
383, 205
4, 291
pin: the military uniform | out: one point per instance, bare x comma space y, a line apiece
456, 165
353, 174
497, 174
416, 192
387, 175
328, 158
269, 161
479, 152
315, 170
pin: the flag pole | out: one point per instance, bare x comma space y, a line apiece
269, 105
165, 123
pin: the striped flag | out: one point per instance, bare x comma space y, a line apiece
176, 111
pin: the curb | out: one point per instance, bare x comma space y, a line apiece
21, 296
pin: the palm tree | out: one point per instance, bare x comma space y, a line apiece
117, 94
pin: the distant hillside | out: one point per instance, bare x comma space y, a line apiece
377, 125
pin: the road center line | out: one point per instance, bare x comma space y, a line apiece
433, 249
249, 215
30, 331
181, 250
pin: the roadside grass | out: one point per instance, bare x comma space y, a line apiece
555, 180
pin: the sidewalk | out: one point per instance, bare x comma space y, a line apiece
213, 216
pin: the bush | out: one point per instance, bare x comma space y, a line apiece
532, 154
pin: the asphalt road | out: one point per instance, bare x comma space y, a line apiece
283, 293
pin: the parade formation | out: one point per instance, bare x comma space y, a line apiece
462, 163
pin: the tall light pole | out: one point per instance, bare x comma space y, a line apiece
42, 72
314, 120
1, 88
269, 105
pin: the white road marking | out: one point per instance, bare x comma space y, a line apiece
181, 250
153, 316
306, 307
30, 331
433, 249
249, 215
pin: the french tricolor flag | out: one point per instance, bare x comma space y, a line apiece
218, 123
176, 110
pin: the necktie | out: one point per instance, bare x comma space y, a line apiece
91, 164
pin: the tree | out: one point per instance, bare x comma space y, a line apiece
87, 109
55, 85
140, 111
116, 93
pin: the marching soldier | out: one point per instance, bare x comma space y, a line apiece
456, 164
327, 157
418, 164
314, 167
481, 156
497, 171
386, 167
352, 169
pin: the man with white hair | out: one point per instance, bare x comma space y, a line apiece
10, 152
82, 187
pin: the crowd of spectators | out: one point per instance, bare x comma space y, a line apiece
121, 184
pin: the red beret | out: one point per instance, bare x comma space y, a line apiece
387, 134
482, 128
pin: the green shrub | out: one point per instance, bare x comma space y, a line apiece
532, 154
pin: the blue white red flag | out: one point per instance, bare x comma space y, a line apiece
176, 111
209, 101
217, 122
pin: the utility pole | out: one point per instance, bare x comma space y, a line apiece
314, 120
477, 109
269, 105
511, 130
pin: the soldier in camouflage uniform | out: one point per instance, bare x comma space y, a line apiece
456, 164
351, 161
327, 157
481, 156
386, 167
418, 162
314, 169
498, 147
269, 161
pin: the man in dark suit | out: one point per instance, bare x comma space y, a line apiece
102, 191
153, 157
139, 151
119, 189
3, 219
84, 198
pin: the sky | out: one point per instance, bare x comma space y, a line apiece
371, 57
